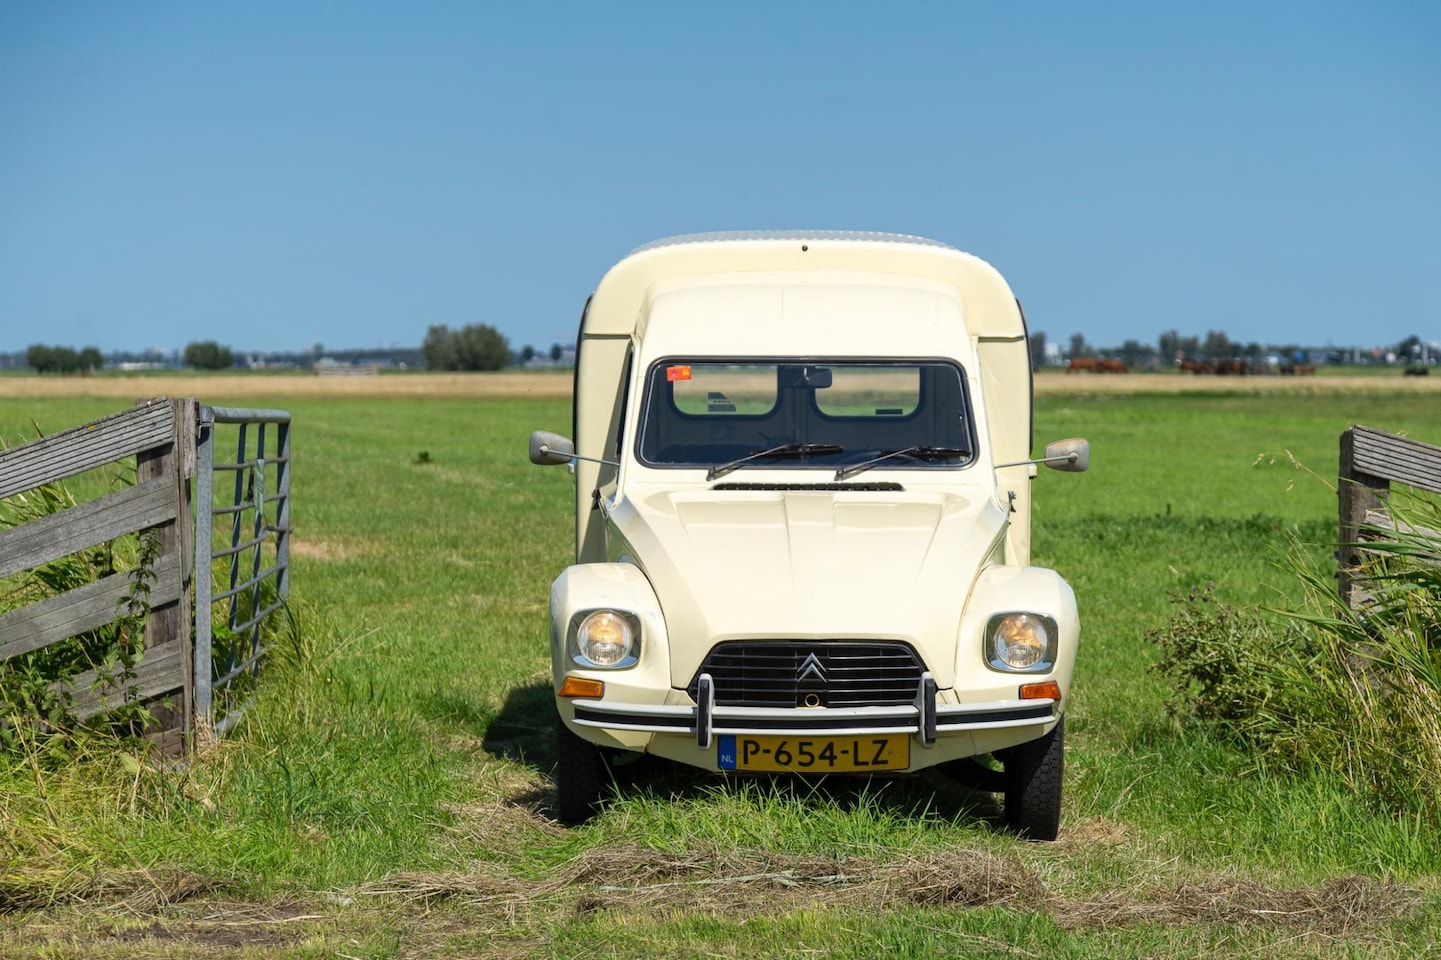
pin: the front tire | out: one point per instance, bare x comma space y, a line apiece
581, 775
1033, 773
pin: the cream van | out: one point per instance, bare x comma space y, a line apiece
803, 522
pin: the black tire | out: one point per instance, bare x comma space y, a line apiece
581, 776
1033, 784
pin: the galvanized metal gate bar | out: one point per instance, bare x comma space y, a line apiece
249, 495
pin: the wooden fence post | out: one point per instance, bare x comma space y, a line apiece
1357, 494
168, 629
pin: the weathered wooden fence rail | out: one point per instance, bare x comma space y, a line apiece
172, 441
1371, 460
158, 435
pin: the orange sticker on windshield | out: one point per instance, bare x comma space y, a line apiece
677, 373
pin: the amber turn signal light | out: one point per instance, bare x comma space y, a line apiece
578, 687
1048, 689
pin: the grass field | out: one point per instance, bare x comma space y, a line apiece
390, 795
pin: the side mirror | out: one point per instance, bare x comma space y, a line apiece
1070, 456
548, 449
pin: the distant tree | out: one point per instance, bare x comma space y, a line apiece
556, 352
1169, 346
1079, 347
91, 359
46, 359
1218, 346
527, 353
1038, 349
39, 357
1408, 348
478, 346
481, 347
1134, 353
208, 355
438, 348
1174, 347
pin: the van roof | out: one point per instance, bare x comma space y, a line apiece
720, 236
620, 301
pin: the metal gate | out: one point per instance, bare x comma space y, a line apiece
242, 553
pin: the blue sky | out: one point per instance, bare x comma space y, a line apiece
270, 175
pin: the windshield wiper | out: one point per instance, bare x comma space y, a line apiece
784, 450
920, 452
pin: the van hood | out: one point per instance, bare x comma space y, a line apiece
808, 564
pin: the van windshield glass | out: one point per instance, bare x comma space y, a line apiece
705, 413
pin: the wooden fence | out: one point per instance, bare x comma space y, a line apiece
1371, 460
243, 534
159, 434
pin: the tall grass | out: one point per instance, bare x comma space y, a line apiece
1368, 699
33, 685
1354, 692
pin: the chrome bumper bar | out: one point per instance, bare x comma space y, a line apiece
925, 716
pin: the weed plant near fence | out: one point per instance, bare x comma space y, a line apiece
389, 795
34, 705
1320, 686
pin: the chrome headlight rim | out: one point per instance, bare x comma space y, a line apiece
1047, 660
577, 648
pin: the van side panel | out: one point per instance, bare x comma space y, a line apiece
601, 387
1004, 365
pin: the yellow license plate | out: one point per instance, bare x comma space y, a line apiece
848, 754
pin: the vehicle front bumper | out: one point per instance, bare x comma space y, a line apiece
925, 718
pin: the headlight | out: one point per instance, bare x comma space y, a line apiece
1021, 643
606, 638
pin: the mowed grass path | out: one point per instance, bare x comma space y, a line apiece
390, 795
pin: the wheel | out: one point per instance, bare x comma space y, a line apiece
581, 775
1033, 784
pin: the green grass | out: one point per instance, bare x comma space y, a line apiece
393, 780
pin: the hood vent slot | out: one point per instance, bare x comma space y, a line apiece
883, 486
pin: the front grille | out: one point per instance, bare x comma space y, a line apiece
826, 673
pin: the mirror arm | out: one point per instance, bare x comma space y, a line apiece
1071, 457
545, 448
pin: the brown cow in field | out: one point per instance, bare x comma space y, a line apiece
1112, 365
1087, 364
1197, 367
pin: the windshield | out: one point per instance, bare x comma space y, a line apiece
709, 413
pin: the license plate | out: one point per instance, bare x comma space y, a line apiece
856, 754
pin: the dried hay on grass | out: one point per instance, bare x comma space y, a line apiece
557, 385
40, 888
1337, 906
709, 880
1058, 383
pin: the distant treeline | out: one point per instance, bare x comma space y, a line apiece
46, 359
1172, 348
482, 347
207, 355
